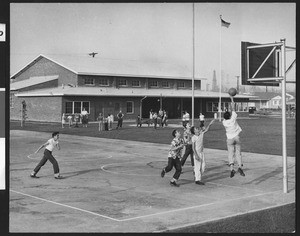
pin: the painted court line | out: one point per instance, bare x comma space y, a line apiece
64, 205
193, 207
144, 216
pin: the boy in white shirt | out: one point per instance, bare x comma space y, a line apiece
233, 139
197, 145
49, 146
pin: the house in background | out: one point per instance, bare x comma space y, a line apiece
262, 100
51, 86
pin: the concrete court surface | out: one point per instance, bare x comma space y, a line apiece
115, 186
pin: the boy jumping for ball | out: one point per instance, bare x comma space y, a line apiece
49, 146
174, 158
233, 139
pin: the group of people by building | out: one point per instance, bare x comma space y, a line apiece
156, 119
106, 123
192, 143
75, 119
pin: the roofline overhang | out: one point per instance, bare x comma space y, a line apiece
140, 76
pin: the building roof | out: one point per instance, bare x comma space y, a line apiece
31, 81
122, 92
87, 65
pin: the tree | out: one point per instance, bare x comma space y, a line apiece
23, 113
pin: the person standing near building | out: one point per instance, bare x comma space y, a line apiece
63, 120
174, 158
120, 116
100, 120
110, 121
187, 117
233, 139
187, 137
70, 120
197, 145
84, 117
160, 117
150, 118
49, 146
201, 118
183, 119
138, 121
154, 117
164, 119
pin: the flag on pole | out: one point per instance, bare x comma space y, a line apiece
224, 23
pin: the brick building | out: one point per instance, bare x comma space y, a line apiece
54, 85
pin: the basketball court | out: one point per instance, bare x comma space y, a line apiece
115, 186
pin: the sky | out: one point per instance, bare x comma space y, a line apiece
152, 33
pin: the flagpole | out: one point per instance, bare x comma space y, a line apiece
193, 78
219, 107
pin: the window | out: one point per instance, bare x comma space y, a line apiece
165, 84
153, 83
89, 81
69, 107
180, 84
136, 83
214, 106
122, 82
103, 82
86, 105
77, 107
129, 108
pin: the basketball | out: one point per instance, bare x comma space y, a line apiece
232, 91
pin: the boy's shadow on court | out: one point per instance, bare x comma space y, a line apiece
82, 172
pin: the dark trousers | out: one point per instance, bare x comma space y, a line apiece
47, 156
120, 122
188, 151
174, 163
155, 123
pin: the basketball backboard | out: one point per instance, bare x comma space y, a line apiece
260, 64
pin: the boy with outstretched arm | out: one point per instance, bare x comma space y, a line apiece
197, 145
49, 146
174, 158
233, 139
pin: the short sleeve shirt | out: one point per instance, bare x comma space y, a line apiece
187, 136
175, 143
231, 126
51, 144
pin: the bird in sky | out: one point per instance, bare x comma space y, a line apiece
93, 54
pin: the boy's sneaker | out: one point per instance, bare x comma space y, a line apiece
58, 177
173, 183
241, 172
199, 183
232, 173
33, 176
162, 174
